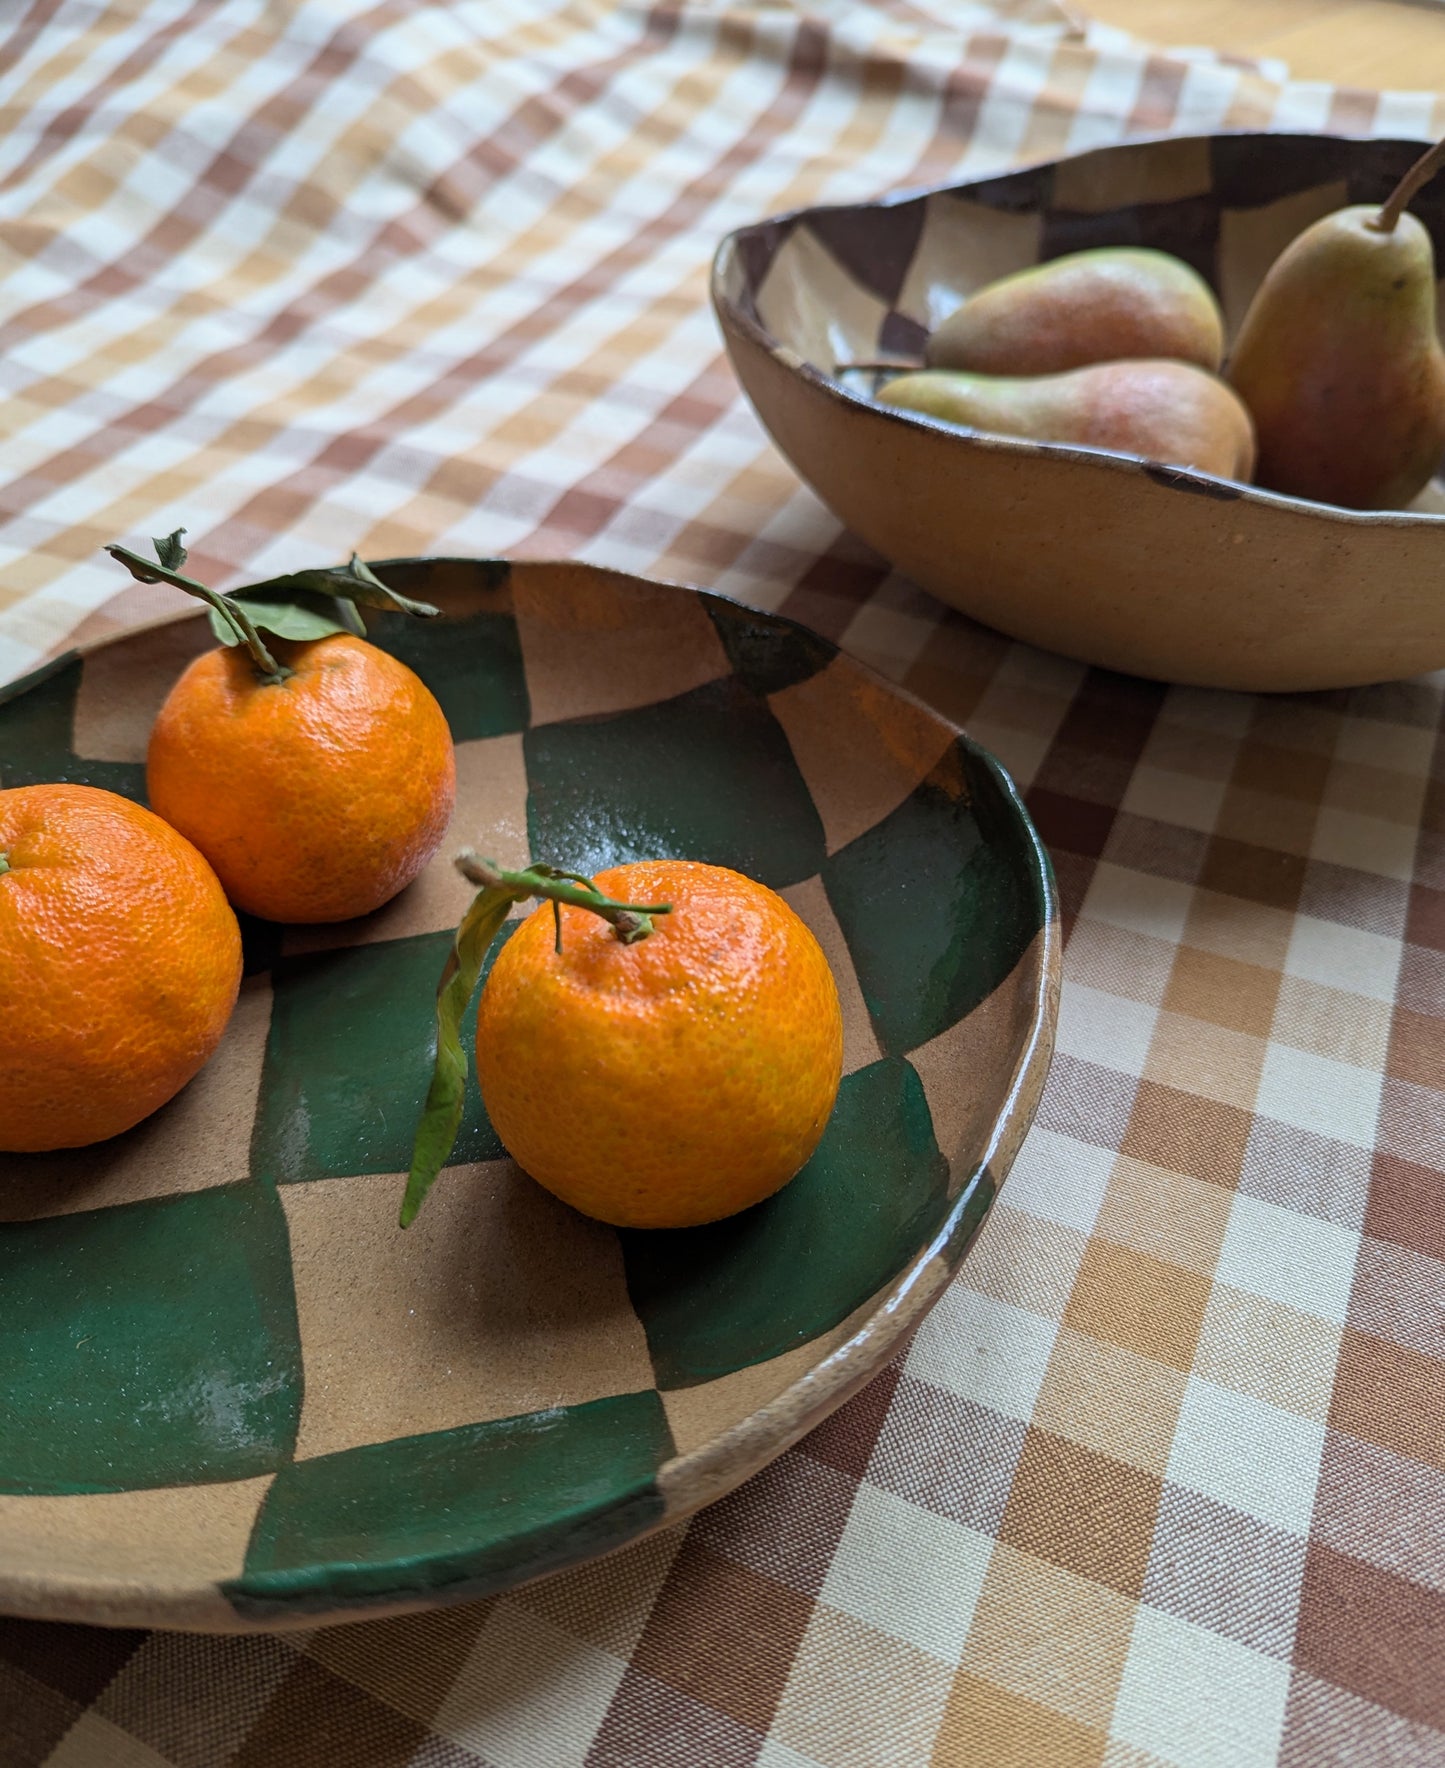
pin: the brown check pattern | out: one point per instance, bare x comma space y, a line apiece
1162, 1478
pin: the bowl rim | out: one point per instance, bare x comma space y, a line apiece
1189, 479
710, 1471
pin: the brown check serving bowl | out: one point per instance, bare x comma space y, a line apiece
1114, 560
233, 1394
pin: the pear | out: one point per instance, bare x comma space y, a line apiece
1104, 305
1164, 411
1339, 360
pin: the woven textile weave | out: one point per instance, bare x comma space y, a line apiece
1162, 1478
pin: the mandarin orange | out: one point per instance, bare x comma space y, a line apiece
317, 796
120, 962
672, 1080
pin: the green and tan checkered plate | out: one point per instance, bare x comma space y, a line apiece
233, 1394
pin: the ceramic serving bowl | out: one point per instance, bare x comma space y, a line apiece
234, 1395
1108, 558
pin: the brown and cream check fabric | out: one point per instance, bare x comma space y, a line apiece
1162, 1478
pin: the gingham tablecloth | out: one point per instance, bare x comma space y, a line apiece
1162, 1479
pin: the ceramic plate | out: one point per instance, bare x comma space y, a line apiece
234, 1395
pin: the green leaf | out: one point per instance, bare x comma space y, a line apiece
441, 1116
304, 605
354, 582
169, 551
347, 614
297, 615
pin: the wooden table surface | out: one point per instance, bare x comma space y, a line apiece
1376, 43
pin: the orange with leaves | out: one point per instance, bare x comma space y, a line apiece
655, 1066
317, 795
120, 961
317, 773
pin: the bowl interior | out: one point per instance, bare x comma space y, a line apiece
834, 285
237, 1394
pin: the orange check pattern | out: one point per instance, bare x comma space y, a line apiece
1162, 1479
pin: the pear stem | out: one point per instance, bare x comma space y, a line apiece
1414, 180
